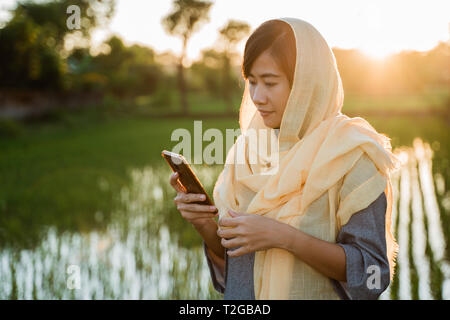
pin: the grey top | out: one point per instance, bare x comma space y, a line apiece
363, 240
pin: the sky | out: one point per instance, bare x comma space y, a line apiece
378, 28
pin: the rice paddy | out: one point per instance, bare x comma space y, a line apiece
145, 250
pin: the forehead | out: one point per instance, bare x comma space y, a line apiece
265, 66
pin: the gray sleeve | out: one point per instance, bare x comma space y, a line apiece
217, 272
363, 240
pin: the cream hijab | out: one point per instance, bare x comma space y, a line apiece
317, 146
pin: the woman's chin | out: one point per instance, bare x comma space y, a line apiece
271, 123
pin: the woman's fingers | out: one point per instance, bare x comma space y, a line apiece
196, 207
238, 252
192, 212
192, 215
229, 222
175, 183
189, 197
228, 233
231, 243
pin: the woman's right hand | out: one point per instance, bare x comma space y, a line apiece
196, 214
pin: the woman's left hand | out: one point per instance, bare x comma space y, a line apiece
251, 232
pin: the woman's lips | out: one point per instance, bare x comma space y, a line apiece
265, 113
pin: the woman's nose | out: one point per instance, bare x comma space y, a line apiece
259, 96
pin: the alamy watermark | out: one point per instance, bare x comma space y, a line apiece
374, 280
74, 20
74, 277
257, 146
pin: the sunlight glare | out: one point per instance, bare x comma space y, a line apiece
376, 52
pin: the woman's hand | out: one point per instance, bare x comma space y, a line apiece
196, 214
251, 232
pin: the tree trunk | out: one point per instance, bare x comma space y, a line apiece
227, 84
182, 83
182, 90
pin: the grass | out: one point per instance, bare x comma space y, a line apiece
64, 175
438, 102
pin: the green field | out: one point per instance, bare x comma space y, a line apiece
71, 177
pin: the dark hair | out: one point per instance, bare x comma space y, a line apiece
277, 37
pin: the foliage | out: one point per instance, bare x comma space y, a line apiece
33, 41
124, 71
32, 60
183, 21
404, 72
186, 17
34, 46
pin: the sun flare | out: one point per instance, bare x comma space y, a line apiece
376, 53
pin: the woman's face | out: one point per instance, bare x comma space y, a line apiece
269, 89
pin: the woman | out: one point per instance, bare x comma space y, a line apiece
310, 220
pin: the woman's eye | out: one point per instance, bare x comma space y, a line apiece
270, 84
252, 83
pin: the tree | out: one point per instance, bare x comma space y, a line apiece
204, 72
186, 18
52, 16
231, 34
130, 70
32, 41
29, 58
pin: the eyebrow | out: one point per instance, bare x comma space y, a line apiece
265, 75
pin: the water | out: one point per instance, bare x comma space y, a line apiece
148, 251
136, 257
421, 273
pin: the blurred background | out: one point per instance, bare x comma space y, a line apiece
89, 96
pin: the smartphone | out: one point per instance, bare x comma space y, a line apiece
187, 177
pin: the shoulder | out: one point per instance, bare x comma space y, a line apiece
360, 187
363, 169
